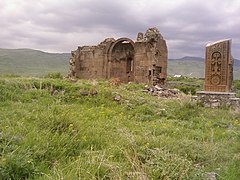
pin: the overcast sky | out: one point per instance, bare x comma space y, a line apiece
62, 25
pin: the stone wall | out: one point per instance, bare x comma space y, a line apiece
217, 99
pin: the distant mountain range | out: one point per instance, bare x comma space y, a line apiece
194, 67
189, 58
29, 62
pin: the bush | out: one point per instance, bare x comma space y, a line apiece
163, 164
236, 87
188, 89
18, 166
54, 75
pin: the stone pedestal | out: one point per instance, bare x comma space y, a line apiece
217, 99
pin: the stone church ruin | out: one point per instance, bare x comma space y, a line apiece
141, 61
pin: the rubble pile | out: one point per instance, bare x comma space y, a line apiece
163, 92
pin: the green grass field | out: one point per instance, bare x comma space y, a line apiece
50, 129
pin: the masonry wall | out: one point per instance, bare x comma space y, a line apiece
90, 63
151, 62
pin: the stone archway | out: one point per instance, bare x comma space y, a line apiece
121, 60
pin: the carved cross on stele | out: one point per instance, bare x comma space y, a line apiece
216, 63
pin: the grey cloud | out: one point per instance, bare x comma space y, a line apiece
197, 24
60, 25
86, 15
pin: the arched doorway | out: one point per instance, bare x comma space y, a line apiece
121, 60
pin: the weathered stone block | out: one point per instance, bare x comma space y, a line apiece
217, 99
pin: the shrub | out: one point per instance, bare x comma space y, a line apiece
236, 85
17, 166
54, 75
188, 89
164, 164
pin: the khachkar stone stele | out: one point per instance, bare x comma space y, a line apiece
218, 66
218, 77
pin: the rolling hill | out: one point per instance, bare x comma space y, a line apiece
194, 67
29, 62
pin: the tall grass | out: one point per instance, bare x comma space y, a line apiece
53, 129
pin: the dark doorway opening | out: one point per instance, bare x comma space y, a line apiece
122, 63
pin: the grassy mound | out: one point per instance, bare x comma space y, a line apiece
56, 129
